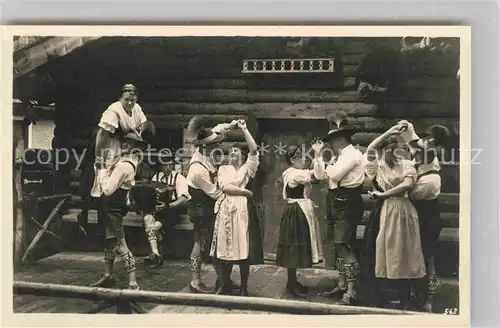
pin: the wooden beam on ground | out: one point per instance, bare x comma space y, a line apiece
219, 301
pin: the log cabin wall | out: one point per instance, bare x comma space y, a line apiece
179, 78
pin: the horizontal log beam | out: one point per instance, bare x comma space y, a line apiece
417, 110
218, 301
259, 110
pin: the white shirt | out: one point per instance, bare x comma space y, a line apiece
181, 186
121, 175
198, 176
114, 117
348, 170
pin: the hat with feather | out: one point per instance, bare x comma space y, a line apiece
338, 123
200, 131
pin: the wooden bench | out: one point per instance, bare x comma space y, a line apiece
130, 220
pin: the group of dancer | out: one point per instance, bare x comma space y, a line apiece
399, 240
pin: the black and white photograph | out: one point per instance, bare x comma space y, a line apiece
238, 174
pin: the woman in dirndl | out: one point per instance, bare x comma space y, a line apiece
299, 241
236, 236
391, 254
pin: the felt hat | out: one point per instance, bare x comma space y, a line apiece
338, 126
202, 135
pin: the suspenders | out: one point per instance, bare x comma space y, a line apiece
212, 175
171, 181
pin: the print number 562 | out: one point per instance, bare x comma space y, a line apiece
452, 311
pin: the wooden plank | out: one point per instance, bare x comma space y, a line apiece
418, 110
249, 96
29, 58
259, 110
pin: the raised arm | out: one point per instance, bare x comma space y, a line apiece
318, 164
252, 145
374, 146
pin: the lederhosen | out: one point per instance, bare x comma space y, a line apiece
169, 217
344, 211
88, 177
112, 209
201, 212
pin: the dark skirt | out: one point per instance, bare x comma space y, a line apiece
294, 241
429, 218
111, 211
370, 288
255, 250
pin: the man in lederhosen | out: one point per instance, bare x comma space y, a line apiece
167, 211
111, 187
424, 196
204, 191
345, 174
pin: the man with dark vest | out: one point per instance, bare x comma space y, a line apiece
424, 196
111, 187
345, 174
204, 192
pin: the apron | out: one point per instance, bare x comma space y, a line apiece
307, 206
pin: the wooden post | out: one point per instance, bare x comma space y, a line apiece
19, 226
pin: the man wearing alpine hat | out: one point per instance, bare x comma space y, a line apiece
345, 174
204, 191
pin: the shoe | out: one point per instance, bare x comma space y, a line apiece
223, 289
297, 292
104, 282
199, 289
243, 291
155, 262
234, 285
149, 259
133, 287
348, 299
335, 291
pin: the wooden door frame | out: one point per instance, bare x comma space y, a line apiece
260, 120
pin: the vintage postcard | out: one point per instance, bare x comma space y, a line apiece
186, 171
